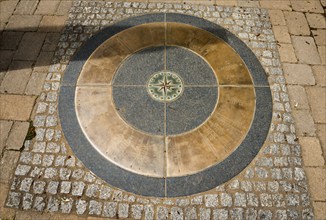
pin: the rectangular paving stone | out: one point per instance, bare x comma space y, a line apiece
47, 7
307, 6
52, 23
297, 23
277, 17
316, 20
321, 133
26, 7
43, 62
24, 22
317, 100
8, 165
5, 127
51, 41
17, 77
277, 4
317, 182
30, 46
6, 10
16, 107
319, 36
319, 209
64, 7
311, 152
286, 52
6, 56
282, 34
17, 135
306, 50
298, 97
298, 74
35, 83
322, 54
10, 40
304, 123
320, 76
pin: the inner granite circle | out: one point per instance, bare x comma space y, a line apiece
165, 86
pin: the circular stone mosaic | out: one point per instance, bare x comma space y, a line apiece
165, 86
165, 105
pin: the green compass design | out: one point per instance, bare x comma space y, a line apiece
165, 86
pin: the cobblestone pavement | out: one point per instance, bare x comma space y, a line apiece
40, 178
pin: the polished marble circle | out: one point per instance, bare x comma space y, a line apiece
151, 145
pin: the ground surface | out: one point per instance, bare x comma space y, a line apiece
49, 179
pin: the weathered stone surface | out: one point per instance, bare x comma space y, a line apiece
51, 41
26, 7
316, 20
320, 76
5, 127
52, 23
9, 40
63, 7
298, 97
277, 4
6, 56
311, 151
35, 83
8, 164
47, 7
320, 36
320, 209
307, 6
298, 74
6, 10
321, 133
16, 107
17, 135
277, 17
24, 22
16, 79
317, 182
304, 123
306, 50
30, 46
287, 53
322, 54
317, 101
297, 23
282, 34
43, 62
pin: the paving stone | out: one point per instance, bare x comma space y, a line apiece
5, 127
110, 209
319, 36
52, 23
26, 7
298, 74
320, 76
47, 7
49, 173
77, 188
277, 17
307, 6
23, 22
297, 23
322, 54
220, 214
317, 182
9, 40
43, 62
136, 211
163, 213
35, 83
16, 79
64, 7
240, 199
6, 10
316, 20
8, 164
28, 50
52, 187
321, 132
317, 101
311, 151
211, 200
6, 57
26, 184
226, 200
282, 34
51, 41
53, 204
13, 199
287, 53
81, 206
66, 206
304, 123
27, 202
39, 187
17, 135
277, 4
47, 160
319, 209
176, 213
306, 50
95, 208
298, 97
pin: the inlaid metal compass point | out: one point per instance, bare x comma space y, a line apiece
165, 86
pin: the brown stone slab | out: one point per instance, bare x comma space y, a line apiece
217, 138
113, 138
16, 107
226, 63
142, 36
101, 66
